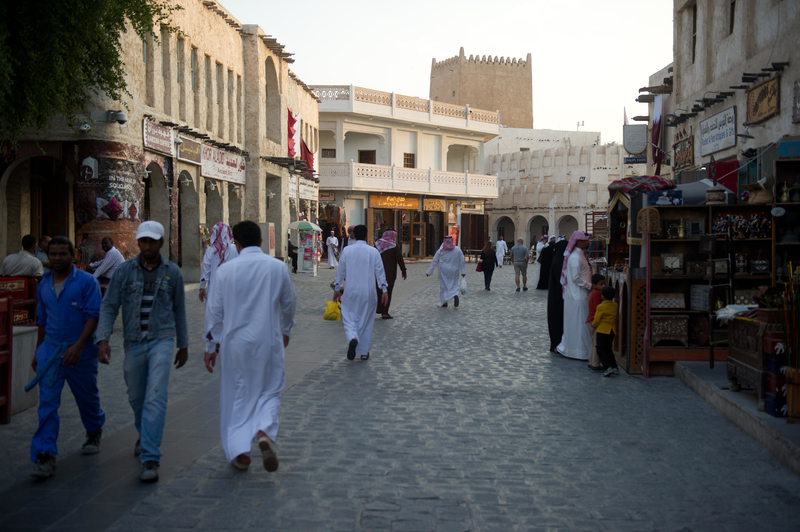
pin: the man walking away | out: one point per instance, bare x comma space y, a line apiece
41, 254
519, 256
392, 257
250, 313
450, 261
67, 312
500, 248
104, 269
360, 266
576, 283
24, 263
149, 289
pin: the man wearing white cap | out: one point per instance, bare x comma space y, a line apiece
149, 289
576, 284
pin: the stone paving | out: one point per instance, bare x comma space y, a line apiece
461, 420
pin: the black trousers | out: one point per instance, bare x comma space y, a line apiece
487, 277
605, 351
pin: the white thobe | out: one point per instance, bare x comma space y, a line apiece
537, 266
250, 307
500, 249
360, 267
211, 263
332, 244
451, 266
576, 342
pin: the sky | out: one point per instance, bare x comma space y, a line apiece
589, 57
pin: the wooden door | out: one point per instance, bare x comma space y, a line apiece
366, 156
418, 232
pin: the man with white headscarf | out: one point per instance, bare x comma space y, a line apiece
576, 284
220, 250
450, 261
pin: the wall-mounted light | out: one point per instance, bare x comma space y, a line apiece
270, 193
85, 127
185, 180
236, 188
582, 179
210, 184
178, 141
145, 173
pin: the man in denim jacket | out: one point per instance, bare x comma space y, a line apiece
150, 291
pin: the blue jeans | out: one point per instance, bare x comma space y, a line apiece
146, 368
82, 380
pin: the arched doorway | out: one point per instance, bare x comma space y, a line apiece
156, 203
273, 102
505, 227
234, 204
190, 252
538, 226
214, 207
37, 198
566, 225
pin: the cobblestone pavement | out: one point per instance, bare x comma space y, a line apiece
461, 420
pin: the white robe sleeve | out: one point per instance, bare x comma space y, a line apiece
380, 273
288, 302
212, 330
463, 263
205, 269
341, 271
434, 262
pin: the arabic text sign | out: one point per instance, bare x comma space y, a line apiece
157, 138
222, 165
189, 151
718, 132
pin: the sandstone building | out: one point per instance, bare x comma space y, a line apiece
504, 85
203, 138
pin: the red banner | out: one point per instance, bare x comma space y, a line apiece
292, 132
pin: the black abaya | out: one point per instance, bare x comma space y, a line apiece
555, 298
544, 267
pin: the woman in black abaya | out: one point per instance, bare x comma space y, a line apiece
555, 298
544, 265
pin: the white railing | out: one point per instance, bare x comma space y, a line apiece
449, 110
332, 92
409, 102
357, 176
372, 96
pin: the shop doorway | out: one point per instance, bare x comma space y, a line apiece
157, 204
505, 228
566, 225
418, 234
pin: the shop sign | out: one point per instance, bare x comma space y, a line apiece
158, 138
763, 101
394, 202
222, 165
684, 152
473, 207
718, 132
634, 138
292, 186
433, 204
189, 151
309, 190
327, 196
635, 160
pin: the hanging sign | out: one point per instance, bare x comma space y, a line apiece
292, 186
763, 101
634, 138
309, 190
718, 132
433, 204
189, 151
158, 138
394, 202
222, 165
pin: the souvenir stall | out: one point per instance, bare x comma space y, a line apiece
307, 240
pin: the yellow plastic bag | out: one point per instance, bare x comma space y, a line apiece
332, 312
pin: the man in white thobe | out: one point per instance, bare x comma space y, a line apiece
450, 261
249, 313
333, 248
500, 249
360, 267
576, 282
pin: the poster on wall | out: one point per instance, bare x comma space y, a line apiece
454, 232
718, 132
108, 190
222, 165
452, 212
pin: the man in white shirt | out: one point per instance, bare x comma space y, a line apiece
41, 253
24, 263
500, 248
249, 314
104, 269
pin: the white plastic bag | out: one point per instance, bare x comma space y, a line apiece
462, 287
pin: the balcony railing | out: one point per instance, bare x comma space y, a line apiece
375, 97
357, 176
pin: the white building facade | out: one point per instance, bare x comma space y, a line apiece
409, 164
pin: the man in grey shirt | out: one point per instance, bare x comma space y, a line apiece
519, 255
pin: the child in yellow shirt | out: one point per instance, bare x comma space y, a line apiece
605, 321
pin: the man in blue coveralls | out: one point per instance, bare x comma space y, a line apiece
67, 312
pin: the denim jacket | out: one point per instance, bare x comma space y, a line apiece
168, 316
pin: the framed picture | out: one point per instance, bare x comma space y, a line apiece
708, 243
721, 266
672, 262
695, 227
